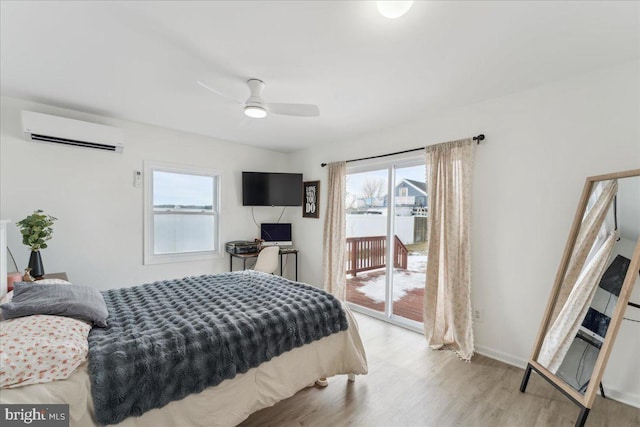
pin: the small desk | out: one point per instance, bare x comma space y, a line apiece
245, 257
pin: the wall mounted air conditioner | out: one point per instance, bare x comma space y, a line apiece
59, 130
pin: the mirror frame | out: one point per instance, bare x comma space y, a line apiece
585, 401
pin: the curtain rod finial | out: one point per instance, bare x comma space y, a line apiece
479, 138
323, 164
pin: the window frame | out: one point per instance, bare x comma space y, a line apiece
149, 257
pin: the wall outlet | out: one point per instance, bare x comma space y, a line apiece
478, 315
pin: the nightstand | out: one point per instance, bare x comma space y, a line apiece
62, 276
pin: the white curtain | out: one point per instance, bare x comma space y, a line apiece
589, 260
447, 299
591, 231
334, 238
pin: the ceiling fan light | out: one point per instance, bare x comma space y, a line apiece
393, 9
255, 112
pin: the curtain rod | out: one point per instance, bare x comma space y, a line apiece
475, 138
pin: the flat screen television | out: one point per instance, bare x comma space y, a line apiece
271, 189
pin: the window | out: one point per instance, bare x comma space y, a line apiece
181, 213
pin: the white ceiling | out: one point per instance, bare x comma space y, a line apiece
140, 60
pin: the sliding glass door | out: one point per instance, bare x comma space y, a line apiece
386, 208
409, 242
367, 230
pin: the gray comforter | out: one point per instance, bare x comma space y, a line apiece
166, 340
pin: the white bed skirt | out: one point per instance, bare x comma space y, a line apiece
226, 404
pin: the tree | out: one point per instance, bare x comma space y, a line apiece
373, 188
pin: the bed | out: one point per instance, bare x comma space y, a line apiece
231, 400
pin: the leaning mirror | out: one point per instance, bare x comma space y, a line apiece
599, 268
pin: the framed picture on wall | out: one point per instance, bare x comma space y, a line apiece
311, 199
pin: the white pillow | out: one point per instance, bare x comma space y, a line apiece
52, 282
6, 298
40, 349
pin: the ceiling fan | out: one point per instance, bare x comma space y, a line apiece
256, 108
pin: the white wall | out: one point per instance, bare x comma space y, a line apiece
541, 145
98, 239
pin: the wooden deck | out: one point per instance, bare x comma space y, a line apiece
409, 306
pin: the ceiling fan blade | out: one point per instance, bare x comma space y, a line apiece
209, 88
301, 110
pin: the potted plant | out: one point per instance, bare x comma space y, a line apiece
36, 229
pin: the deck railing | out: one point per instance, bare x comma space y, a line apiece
369, 253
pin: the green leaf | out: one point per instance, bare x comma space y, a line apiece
36, 229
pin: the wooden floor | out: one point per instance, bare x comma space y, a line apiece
410, 385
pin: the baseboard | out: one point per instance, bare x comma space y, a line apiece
502, 357
620, 396
617, 395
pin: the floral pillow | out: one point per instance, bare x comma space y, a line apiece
40, 349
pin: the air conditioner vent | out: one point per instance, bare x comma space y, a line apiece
59, 130
65, 141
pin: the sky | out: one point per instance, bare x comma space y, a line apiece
179, 189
